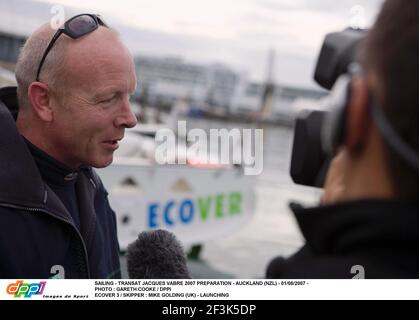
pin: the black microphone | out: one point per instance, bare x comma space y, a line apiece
156, 254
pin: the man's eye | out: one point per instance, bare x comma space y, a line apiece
109, 100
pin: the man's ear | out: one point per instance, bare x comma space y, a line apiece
358, 118
40, 99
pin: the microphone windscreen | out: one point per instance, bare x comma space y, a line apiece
156, 254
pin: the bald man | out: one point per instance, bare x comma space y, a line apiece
67, 115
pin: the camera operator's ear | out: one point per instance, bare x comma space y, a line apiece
39, 97
358, 116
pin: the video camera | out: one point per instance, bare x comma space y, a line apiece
310, 160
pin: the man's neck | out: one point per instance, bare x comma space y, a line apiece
36, 134
367, 185
368, 178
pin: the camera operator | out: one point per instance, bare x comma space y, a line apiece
368, 219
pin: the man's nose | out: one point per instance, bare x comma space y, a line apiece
126, 118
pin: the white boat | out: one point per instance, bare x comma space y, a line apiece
198, 203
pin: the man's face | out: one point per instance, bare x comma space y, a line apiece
90, 120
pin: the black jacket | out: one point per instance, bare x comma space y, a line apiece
36, 230
377, 238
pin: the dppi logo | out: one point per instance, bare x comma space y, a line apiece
27, 290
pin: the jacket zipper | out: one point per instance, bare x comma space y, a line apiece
58, 218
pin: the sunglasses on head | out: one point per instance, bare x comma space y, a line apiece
75, 28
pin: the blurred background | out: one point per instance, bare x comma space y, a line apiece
233, 64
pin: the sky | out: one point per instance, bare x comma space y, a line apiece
238, 33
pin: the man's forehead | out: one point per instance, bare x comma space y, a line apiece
100, 85
104, 88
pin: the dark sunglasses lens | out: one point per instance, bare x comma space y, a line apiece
101, 21
82, 25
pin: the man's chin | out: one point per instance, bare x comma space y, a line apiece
102, 163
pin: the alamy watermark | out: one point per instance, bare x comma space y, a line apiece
358, 17
58, 17
358, 271
220, 147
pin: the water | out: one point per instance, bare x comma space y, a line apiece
273, 230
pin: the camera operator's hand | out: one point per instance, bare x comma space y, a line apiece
334, 184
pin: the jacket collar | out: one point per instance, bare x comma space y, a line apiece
21, 183
366, 223
52, 171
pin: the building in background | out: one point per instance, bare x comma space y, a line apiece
163, 81
10, 45
286, 102
215, 90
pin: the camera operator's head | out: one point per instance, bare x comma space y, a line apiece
381, 143
367, 225
390, 58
